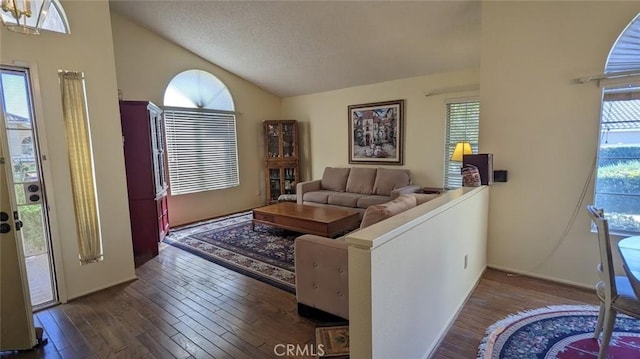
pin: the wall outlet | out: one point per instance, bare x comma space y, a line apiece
466, 261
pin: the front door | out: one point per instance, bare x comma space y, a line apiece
16, 318
25, 178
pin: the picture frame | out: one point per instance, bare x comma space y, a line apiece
376, 133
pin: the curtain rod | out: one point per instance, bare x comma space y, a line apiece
472, 87
613, 75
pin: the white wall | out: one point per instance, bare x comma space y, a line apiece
325, 127
402, 308
543, 128
89, 48
145, 64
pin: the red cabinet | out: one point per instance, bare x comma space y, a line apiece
145, 161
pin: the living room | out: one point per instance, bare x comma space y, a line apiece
539, 124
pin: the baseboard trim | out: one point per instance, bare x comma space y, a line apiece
128, 280
316, 315
540, 276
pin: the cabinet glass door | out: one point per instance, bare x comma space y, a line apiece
288, 141
274, 184
289, 180
273, 140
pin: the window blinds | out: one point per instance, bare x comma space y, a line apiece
463, 125
201, 150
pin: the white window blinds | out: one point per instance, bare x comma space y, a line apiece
463, 125
201, 150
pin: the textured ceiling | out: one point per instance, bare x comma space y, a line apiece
299, 47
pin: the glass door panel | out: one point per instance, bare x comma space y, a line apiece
289, 180
19, 132
273, 140
274, 183
288, 141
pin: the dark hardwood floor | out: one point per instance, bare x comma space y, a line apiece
496, 296
185, 307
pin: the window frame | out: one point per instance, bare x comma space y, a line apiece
609, 94
452, 177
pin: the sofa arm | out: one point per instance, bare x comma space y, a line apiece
403, 190
303, 187
322, 276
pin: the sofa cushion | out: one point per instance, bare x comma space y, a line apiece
379, 212
344, 199
367, 201
389, 179
335, 179
361, 180
317, 196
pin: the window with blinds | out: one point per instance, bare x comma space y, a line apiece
463, 125
201, 150
617, 188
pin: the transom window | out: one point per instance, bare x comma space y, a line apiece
54, 18
200, 125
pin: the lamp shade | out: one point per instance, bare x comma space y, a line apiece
462, 148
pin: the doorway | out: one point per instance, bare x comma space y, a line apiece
18, 131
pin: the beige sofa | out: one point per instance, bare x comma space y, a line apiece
322, 265
355, 187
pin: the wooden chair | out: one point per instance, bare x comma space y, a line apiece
615, 292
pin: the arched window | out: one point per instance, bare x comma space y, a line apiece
617, 188
52, 18
200, 126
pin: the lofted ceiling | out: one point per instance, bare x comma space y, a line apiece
292, 48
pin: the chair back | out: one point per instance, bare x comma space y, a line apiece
606, 259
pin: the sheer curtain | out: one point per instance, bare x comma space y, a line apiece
77, 133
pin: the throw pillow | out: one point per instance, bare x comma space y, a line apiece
376, 213
424, 197
470, 176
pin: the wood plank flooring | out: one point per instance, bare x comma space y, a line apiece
183, 306
496, 296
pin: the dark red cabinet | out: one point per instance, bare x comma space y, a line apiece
145, 160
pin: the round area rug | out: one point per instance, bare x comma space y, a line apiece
558, 332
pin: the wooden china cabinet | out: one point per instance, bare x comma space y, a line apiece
281, 158
145, 162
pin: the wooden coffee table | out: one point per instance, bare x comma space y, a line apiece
322, 221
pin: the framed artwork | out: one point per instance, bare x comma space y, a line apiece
376, 132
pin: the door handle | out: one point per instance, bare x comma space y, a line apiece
5, 228
19, 225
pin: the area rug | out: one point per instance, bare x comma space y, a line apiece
558, 332
265, 254
332, 341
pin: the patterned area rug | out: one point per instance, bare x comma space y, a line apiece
265, 254
333, 341
562, 332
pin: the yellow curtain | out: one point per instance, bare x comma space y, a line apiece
77, 134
